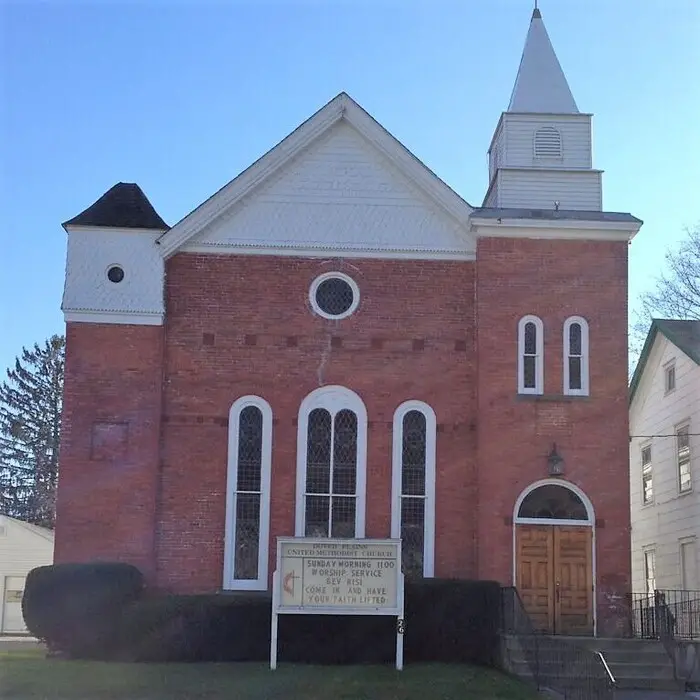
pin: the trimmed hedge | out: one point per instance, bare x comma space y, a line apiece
446, 620
97, 611
75, 608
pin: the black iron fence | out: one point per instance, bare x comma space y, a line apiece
666, 614
574, 671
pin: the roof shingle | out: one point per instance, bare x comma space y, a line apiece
122, 206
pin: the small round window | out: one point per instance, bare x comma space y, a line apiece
334, 295
115, 274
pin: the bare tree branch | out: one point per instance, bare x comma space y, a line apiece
676, 293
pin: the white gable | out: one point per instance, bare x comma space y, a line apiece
339, 194
23, 547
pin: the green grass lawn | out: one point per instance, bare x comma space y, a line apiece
29, 676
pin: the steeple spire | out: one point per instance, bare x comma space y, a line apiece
541, 84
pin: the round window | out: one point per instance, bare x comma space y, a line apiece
334, 295
115, 274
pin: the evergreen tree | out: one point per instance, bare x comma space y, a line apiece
30, 422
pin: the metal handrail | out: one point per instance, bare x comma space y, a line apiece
611, 678
556, 663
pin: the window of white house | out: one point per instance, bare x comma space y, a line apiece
413, 487
689, 564
669, 378
576, 356
530, 355
685, 483
547, 143
647, 484
248, 494
650, 570
331, 464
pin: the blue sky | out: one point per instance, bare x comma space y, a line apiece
180, 97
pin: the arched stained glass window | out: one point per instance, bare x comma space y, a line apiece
553, 502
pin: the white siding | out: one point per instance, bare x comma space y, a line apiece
671, 518
492, 195
21, 549
88, 294
340, 193
539, 189
519, 132
497, 150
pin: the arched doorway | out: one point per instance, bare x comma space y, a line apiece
553, 542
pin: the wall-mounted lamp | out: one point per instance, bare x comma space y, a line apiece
555, 462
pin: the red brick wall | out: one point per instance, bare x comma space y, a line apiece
411, 338
553, 280
239, 325
109, 444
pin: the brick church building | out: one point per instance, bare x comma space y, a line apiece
337, 344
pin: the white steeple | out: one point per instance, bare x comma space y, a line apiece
540, 85
541, 154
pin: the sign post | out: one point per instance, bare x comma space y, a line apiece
321, 576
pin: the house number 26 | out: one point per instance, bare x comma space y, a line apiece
400, 625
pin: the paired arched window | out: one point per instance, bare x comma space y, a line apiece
331, 464
575, 342
530, 355
547, 143
413, 487
248, 494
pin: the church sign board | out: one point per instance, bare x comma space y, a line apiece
322, 576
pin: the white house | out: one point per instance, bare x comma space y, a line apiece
665, 459
23, 547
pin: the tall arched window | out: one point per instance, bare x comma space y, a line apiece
331, 464
547, 143
575, 343
413, 487
530, 355
248, 494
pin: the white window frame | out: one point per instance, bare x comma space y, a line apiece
690, 542
669, 367
645, 446
685, 425
396, 478
328, 276
585, 388
646, 552
230, 582
538, 389
334, 399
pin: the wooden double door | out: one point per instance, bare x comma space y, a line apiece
554, 576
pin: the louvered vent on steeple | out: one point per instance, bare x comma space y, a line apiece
548, 143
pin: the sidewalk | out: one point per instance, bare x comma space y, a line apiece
18, 643
654, 695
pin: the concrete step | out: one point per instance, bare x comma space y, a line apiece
640, 670
649, 684
635, 663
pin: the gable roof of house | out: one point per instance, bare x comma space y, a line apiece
36, 529
123, 206
685, 335
341, 107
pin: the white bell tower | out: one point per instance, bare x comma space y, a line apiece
540, 155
